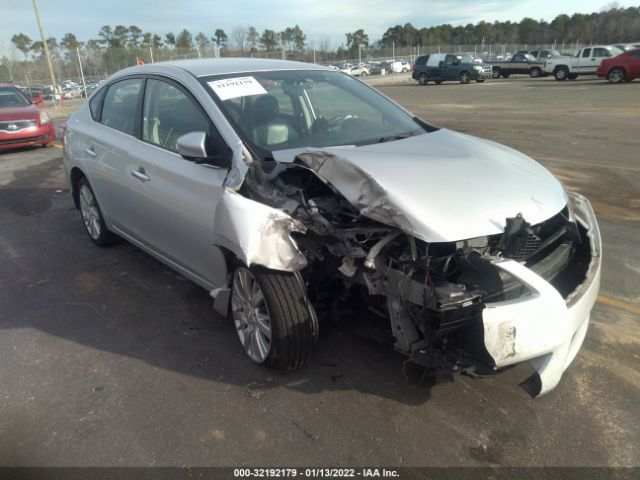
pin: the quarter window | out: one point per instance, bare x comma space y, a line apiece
120, 102
169, 113
601, 52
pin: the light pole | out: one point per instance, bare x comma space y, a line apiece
45, 46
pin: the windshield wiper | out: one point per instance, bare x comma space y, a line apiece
391, 138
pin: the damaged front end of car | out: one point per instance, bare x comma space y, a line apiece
477, 304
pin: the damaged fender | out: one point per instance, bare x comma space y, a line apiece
359, 188
258, 234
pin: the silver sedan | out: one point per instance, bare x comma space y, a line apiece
291, 191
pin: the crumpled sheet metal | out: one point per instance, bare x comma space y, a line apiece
359, 188
258, 234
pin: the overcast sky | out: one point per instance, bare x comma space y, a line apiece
315, 17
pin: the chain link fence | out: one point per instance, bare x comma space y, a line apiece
87, 66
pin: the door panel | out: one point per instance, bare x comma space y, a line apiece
175, 199
107, 152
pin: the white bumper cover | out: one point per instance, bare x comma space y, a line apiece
542, 327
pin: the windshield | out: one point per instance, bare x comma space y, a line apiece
616, 51
279, 110
11, 97
465, 58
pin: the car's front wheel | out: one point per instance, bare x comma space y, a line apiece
273, 318
496, 73
92, 216
465, 77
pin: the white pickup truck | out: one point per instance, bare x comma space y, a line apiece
586, 62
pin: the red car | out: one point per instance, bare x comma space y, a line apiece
622, 68
22, 123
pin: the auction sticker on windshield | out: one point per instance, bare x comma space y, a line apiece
236, 87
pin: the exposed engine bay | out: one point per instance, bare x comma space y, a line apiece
432, 294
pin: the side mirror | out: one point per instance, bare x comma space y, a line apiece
193, 146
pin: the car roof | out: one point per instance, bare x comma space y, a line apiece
220, 66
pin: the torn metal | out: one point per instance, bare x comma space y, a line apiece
491, 301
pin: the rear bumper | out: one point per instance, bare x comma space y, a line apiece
38, 135
542, 327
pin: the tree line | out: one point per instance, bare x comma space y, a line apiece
117, 46
610, 26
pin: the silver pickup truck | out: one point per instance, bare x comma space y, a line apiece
585, 62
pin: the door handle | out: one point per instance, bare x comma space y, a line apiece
90, 151
140, 174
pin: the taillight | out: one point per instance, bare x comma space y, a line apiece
413, 68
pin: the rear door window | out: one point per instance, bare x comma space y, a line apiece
120, 104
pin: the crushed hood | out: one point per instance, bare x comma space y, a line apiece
441, 186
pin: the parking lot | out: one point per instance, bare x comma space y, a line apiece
109, 358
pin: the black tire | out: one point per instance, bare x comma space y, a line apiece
573, 76
438, 82
479, 80
423, 79
561, 74
535, 72
505, 75
616, 75
465, 77
495, 73
293, 325
100, 235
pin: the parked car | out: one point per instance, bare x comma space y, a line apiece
222, 180
622, 68
585, 62
22, 123
72, 92
359, 71
627, 46
520, 63
440, 67
36, 96
544, 54
400, 66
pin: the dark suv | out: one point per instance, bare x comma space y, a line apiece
439, 67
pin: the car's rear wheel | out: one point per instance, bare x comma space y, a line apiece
92, 216
273, 318
616, 75
423, 79
438, 82
465, 77
561, 73
535, 72
496, 73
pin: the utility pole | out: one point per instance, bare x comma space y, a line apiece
84, 85
45, 46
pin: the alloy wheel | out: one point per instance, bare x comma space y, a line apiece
251, 315
90, 212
